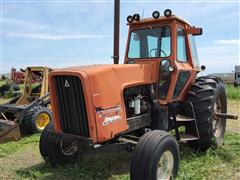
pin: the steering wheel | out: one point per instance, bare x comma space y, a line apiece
156, 51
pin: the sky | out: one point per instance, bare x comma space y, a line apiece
58, 33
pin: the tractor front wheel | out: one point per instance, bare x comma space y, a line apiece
156, 157
54, 150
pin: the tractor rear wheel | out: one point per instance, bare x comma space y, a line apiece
36, 119
156, 157
54, 150
208, 97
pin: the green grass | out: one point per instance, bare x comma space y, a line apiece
2, 82
94, 167
233, 92
220, 163
13, 147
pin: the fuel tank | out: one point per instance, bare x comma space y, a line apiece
100, 89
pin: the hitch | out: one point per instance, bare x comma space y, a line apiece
226, 116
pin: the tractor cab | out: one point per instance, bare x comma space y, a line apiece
167, 42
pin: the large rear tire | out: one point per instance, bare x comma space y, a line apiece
156, 156
208, 97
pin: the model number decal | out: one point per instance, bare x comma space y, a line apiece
108, 111
109, 115
109, 120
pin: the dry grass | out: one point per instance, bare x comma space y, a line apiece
234, 108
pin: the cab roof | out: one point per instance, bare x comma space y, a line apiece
160, 19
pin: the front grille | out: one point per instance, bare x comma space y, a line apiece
71, 105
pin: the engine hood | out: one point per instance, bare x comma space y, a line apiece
109, 80
103, 87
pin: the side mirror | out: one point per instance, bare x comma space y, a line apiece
203, 67
166, 66
194, 31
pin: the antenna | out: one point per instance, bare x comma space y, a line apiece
142, 13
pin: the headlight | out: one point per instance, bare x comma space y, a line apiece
136, 17
171, 68
130, 19
156, 14
167, 13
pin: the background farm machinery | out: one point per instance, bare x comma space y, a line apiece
29, 111
15, 79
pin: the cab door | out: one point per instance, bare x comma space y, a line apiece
175, 82
185, 68
182, 62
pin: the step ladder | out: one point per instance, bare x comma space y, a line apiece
190, 118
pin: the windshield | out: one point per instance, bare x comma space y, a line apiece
194, 51
150, 43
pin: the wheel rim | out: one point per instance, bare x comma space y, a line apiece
42, 120
218, 123
69, 149
165, 166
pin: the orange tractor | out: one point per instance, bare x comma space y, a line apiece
134, 105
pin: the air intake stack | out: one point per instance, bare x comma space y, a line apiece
116, 31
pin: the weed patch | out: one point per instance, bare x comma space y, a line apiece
232, 92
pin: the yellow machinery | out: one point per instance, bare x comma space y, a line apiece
29, 112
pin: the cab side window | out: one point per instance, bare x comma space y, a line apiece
181, 46
134, 47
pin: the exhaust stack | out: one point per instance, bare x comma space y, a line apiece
116, 31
